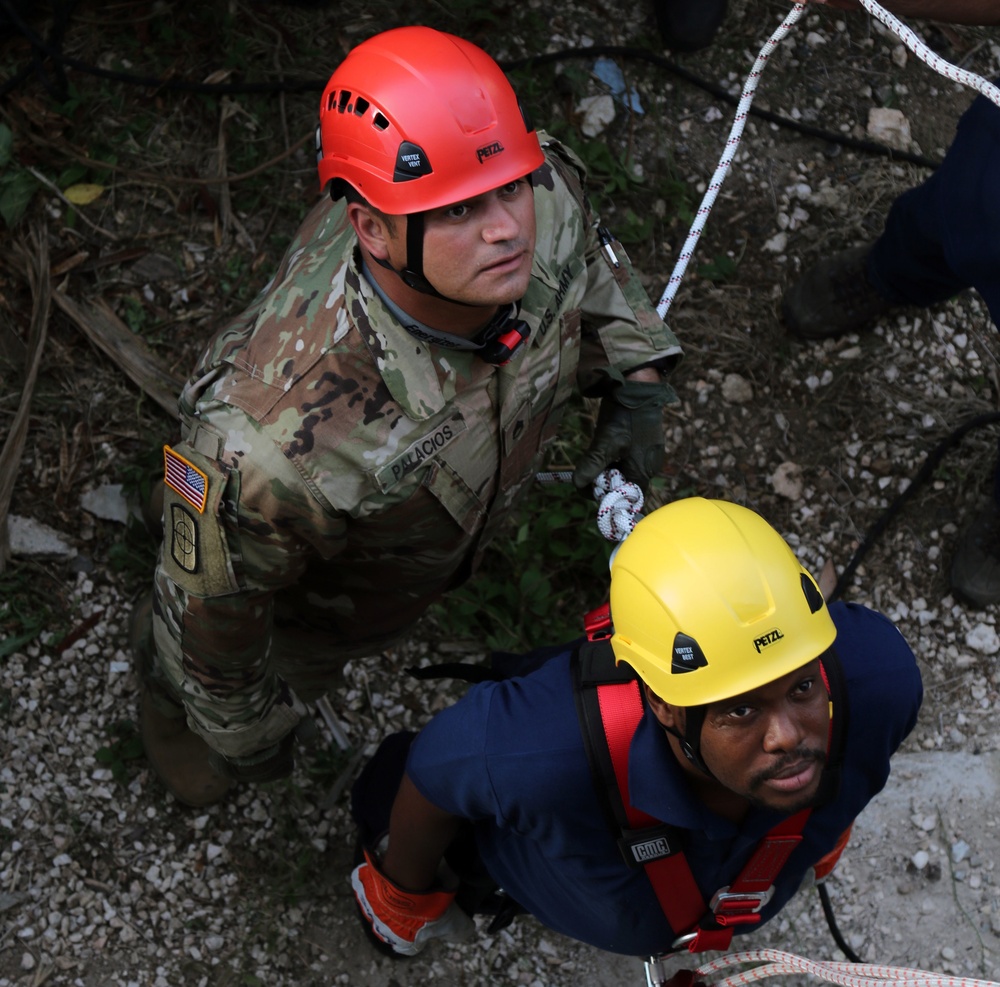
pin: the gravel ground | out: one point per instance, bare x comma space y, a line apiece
111, 883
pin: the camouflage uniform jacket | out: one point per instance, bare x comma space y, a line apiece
337, 472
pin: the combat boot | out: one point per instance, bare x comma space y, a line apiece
975, 566
833, 298
178, 756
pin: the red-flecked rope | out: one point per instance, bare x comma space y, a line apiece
775, 962
915, 43
620, 504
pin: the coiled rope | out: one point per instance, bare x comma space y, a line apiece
620, 504
776, 963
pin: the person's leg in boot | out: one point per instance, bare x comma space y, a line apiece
178, 756
971, 221
939, 239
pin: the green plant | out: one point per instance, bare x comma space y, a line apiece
24, 612
17, 184
721, 267
538, 577
125, 746
134, 313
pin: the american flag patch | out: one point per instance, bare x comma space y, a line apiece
185, 479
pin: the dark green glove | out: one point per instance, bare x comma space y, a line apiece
629, 434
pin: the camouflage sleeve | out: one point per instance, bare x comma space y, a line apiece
220, 564
620, 327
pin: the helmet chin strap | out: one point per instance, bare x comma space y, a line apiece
412, 275
690, 739
496, 343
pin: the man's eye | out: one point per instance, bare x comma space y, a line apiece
804, 687
740, 712
458, 211
512, 188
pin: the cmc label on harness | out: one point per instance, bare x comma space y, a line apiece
651, 850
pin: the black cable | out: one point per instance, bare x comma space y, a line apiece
317, 85
925, 472
831, 921
642, 54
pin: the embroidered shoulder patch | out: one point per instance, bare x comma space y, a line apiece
185, 479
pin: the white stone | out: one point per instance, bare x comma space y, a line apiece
737, 389
33, 539
889, 126
777, 243
596, 112
983, 638
787, 481
106, 502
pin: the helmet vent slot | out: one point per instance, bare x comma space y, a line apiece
813, 596
380, 122
360, 106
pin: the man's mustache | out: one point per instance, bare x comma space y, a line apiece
801, 756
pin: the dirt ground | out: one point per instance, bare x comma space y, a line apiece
108, 882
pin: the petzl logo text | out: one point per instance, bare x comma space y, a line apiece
488, 151
765, 639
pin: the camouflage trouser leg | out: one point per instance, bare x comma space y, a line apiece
141, 639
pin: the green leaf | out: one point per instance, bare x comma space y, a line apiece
131, 749
16, 191
6, 145
72, 175
12, 644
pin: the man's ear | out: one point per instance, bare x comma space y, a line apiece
669, 716
373, 233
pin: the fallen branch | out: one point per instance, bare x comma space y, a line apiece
36, 262
128, 351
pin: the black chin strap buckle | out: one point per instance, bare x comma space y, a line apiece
503, 348
504, 336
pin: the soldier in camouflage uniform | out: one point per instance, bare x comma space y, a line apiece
354, 439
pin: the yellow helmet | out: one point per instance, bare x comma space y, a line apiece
708, 602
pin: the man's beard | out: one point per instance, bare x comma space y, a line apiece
801, 755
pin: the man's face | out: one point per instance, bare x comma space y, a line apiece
478, 251
769, 745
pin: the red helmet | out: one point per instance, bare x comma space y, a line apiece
416, 119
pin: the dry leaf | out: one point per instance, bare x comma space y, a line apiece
83, 194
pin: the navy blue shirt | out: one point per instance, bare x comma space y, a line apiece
510, 757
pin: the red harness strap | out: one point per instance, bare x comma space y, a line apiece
675, 887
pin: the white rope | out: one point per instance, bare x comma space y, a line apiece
778, 963
905, 34
619, 509
620, 504
915, 43
735, 133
